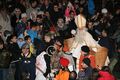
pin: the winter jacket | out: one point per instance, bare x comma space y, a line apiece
62, 75
104, 75
92, 59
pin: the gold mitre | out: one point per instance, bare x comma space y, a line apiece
80, 21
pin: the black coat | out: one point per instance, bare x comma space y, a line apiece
14, 50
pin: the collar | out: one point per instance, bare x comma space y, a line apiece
28, 55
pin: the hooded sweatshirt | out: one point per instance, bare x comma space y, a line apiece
104, 75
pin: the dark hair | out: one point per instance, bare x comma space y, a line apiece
34, 24
27, 37
8, 40
85, 49
32, 1
72, 75
105, 68
1, 41
39, 16
71, 11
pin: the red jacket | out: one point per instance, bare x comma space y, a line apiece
104, 75
92, 59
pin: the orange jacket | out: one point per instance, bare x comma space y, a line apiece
62, 75
92, 59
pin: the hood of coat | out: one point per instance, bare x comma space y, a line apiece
104, 75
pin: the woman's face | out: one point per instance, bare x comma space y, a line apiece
14, 39
25, 50
60, 23
34, 4
47, 38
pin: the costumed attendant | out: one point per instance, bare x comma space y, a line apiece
82, 37
64, 72
40, 66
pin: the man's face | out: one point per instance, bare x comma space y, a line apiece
83, 53
17, 11
71, 15
83, 65
56, 8
1, 46
60, 23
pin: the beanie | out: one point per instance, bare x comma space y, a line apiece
86, 61
85, 49
64, 62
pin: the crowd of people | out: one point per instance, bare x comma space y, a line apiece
59, 40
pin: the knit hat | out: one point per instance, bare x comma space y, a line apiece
64, 62
52, 29
104, 10
85, 49
25, 45
86, 61
23, 15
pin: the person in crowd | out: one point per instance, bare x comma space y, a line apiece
105, 74
55, 14
71, 22
13, 46
108, 43
91, 30
5, 55
40, 66
116, 69
32, 8
15, 51
50, 50
39, 19
5, 59
73, 75
26, 64
86, 71
15, 18
29, 41
20, 40
32, 19
95, 74
64, 72
62, 28
33, 32
85, 53
47, 40
46, 6
69, 8
4, 21
21, 25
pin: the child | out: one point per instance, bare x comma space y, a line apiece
86, 71
29, 41
64, 72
